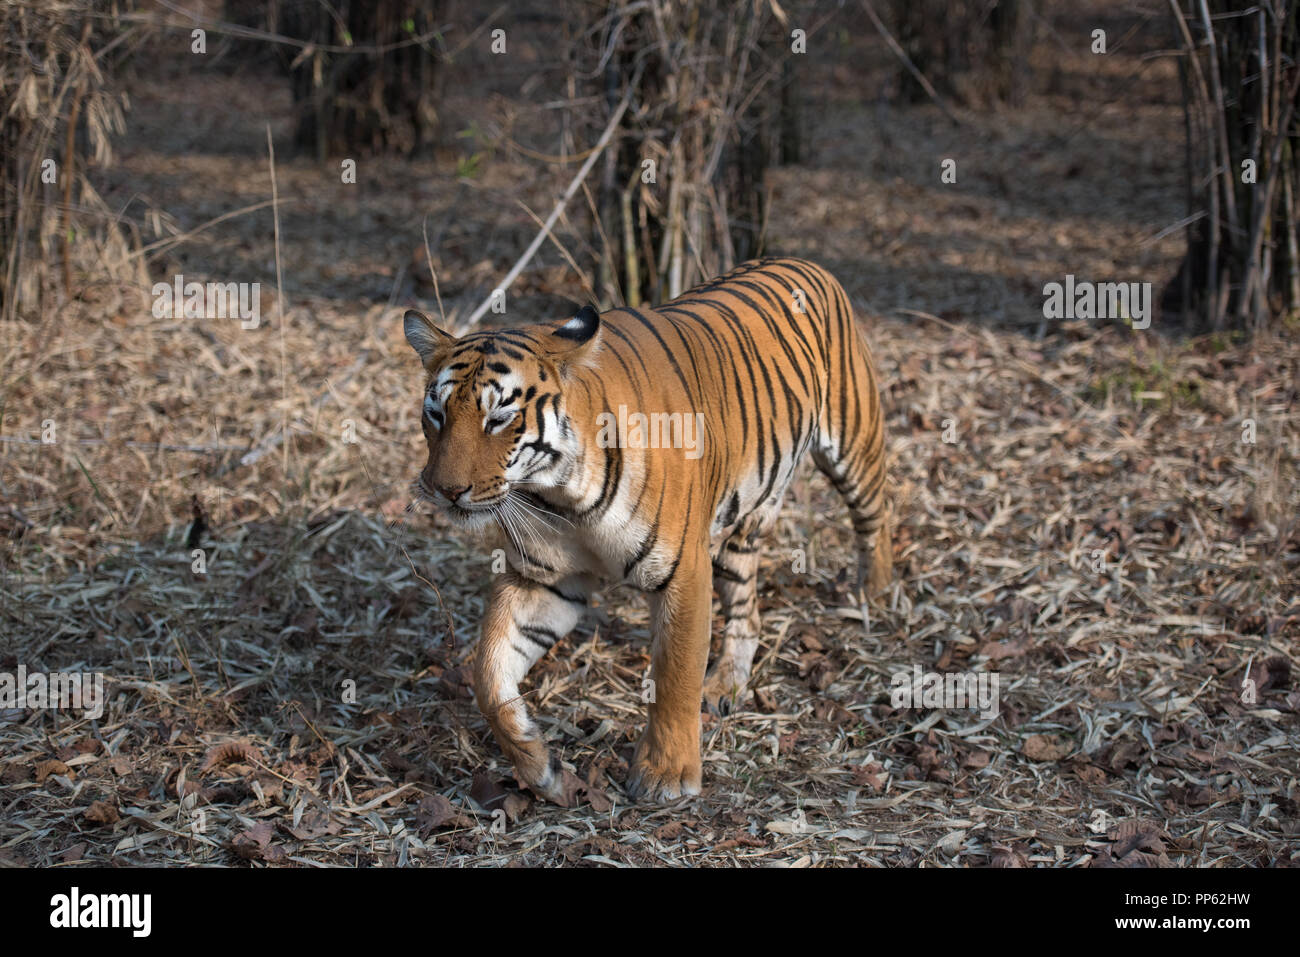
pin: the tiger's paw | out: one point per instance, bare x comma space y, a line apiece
536, 768
662, 778
662, 786
548, 783
724, 687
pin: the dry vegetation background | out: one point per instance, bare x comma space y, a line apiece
1098, 533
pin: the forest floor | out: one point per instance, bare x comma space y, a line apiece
1104, 517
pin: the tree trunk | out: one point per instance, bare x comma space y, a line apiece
681, 196
1240, 84
371, 100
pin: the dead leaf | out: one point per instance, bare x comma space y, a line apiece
765, 700
740, 840
255, 844
1137, 843
669, 832
871, 775
1124, 754
1046, 747
487, 791
119, 765
241, 751
997, 650
102, 813
54, 766
1004, 856
515, 804
314, 823
1272, 672
437, 811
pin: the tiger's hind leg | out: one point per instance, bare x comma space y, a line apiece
735, 576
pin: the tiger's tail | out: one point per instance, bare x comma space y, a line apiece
850, 448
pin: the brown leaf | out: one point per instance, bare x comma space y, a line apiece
101, 813
1089, 773
808, 660
436, 811
1046, 747
313, 824
457, 682
1012, 856
1124, 754
599, 800
573, 788
668, 832
487, 791
871, 775
241, 751
808, 638
928, 757
54, 766
515, 804
997, 650
1137, 843
1272, 672
1200, 796
832, 711
821, 675
255, 843
740, 840
120, 765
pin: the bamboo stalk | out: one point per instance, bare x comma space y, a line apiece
69, 172
629, 246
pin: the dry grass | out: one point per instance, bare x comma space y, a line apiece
1097, 533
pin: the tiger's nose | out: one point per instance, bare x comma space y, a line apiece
453, 493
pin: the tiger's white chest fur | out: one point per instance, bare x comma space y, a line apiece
555, 544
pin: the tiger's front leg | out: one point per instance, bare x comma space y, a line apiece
666, 764
524, 618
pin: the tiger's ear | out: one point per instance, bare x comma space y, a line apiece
425, 338
576, 337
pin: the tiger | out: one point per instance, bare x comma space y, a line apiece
653, 447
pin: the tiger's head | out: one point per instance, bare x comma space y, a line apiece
494, 411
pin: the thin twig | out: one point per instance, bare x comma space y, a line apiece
523, 261
907, 62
